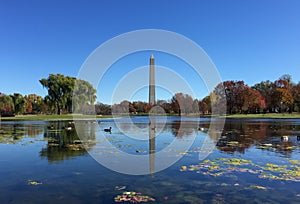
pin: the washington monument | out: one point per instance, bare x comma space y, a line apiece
152, 124
152, 82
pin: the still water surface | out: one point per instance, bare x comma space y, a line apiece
45, 162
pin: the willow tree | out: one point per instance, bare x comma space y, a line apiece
84, 96
20, 103
61, 90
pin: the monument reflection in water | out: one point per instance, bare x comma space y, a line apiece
152, 146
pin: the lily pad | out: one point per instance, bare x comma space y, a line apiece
221, 166
233, 143
34, 183
132, 197
119, 188
295, 162
258, 187
183, 168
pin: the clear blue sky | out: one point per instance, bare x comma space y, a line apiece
250, 40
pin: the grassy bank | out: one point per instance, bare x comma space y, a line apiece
267, 115
51, 117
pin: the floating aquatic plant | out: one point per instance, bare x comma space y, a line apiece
34, 183
276, 147
221, 166
183, 168
119, 188
295, 162
236, 161
132, 197
259, 187
275, 167
232, 143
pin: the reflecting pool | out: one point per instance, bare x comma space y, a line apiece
54, 162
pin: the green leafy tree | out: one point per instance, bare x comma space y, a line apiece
6, 105
82, 97
56, 86
20, 103
63, 91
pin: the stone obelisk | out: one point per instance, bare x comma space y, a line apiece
152, 119
152, 82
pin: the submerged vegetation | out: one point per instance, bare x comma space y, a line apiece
132, 197
223, 166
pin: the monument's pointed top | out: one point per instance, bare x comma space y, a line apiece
152, 56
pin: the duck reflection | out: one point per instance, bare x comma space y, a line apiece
64, 142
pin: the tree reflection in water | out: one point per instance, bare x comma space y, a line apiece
15, 132
184, 128
240, 135
237, 135
63, 140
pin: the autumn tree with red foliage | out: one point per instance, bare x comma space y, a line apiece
240, 98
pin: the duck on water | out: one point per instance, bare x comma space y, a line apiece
107, 130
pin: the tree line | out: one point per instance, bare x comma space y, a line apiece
180, 103
70, 95
280, 96
65, 95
